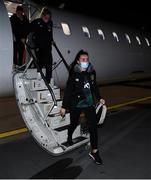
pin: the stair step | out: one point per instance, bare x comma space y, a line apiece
62, 128
62, 135
57, 121
32, 73
39, 84
45, 107
75, 141
45, 96
36, 85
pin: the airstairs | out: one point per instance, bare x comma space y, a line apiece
39, 104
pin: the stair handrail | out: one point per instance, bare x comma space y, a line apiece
61, 56
34, 60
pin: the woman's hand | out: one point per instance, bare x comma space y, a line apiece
62, 112
102, 101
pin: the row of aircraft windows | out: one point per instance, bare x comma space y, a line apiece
67, 31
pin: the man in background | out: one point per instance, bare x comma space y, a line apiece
20, 28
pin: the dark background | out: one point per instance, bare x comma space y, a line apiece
130, 12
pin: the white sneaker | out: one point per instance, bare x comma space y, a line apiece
38, 76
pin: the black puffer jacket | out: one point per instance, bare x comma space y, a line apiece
42, 33
20, 28
75, 84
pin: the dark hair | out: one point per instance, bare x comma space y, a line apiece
45, 11
81, 52
19, 8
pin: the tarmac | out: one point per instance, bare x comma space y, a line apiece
124, 141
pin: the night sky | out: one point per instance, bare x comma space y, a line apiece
128, 12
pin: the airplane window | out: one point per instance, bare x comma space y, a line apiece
128, 38
115, 36
66, 29
86, 31
147, 41
101, 34
138, 40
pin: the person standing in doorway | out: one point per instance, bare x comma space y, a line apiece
20, 28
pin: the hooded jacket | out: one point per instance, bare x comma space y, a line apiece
41, 34
19, 28
74, 92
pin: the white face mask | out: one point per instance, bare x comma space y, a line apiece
84, 65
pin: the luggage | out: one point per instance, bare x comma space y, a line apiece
101, 110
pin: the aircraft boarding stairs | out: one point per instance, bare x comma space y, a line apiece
39, 104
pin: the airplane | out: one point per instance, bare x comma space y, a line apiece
117, 52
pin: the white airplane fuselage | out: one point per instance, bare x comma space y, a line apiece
113, 60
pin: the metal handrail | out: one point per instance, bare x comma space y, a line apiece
60, 54
34, 60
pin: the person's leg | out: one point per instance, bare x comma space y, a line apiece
48, 66
92, 123
74, 120
20, 50
39, 56
15, 54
